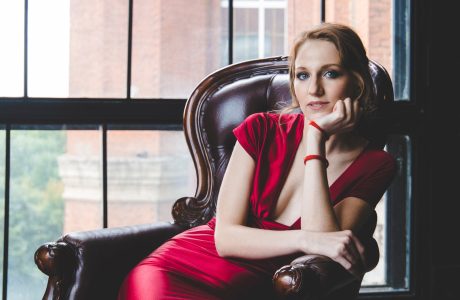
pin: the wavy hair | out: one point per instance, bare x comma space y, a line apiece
353, 58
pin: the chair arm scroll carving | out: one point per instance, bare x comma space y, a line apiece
91, 265
312, 277
54, 259
190, 212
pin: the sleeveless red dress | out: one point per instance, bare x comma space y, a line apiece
188, 265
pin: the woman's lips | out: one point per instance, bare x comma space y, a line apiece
317, 105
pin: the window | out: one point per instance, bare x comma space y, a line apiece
91, 106
259, 28
393, 225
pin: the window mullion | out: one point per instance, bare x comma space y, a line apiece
6, 210
26, 46
130, 46
103, 129
230, 32
261, 29
323, 11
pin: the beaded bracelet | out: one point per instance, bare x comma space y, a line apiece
314, 124
315, 156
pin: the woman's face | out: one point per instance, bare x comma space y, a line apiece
320, 80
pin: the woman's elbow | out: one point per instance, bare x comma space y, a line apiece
221, 245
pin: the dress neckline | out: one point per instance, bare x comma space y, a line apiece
291, 161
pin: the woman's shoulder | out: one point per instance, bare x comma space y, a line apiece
282, 120
274, 123
380, 158
274, 117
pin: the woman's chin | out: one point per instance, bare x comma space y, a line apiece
313, 115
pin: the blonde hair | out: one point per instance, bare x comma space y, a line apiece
353, 58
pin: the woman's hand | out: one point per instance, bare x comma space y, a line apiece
341, 246
343, 118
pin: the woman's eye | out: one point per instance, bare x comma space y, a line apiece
302, 76
331, 74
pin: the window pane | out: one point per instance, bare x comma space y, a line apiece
147, 171
12, 48
275, 36
36, 206
51, 190
48, 48
80, 169
245, 34
393, 225
78, 48
301, 15
384, 28
401, 47
267, 28
377, 275
174, 48
259, 29
98, 48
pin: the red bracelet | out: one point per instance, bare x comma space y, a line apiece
313, 123
315, 156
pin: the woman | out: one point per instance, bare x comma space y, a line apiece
295, 184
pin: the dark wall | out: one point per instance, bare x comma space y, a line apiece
443, 112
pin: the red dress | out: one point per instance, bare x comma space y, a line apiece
188, 265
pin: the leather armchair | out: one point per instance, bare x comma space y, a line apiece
92, 264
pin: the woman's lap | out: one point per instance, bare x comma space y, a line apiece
188, 267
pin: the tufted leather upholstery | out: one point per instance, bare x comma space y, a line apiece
91, 265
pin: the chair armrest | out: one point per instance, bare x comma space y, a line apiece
92, 264
312, 277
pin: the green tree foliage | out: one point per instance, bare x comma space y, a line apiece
36, 205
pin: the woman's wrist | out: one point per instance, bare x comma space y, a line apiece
316, 156
306, 242
315, 142
315, 136
319, 128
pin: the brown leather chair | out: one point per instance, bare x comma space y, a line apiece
92, 264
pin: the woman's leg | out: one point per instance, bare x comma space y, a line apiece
149, 281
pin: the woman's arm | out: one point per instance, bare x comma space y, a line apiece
317, 212
234, 239
334, 225
232, 236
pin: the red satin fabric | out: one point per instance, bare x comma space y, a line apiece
188, 266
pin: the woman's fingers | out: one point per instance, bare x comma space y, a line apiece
349, 253
353, 112
343, 118
361, 251
356, 253
341, 246
349, 266
349, 109
340, 110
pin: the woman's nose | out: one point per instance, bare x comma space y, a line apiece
315, 87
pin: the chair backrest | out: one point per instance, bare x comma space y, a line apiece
221, 102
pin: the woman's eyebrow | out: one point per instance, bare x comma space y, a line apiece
322, 67
332, 65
